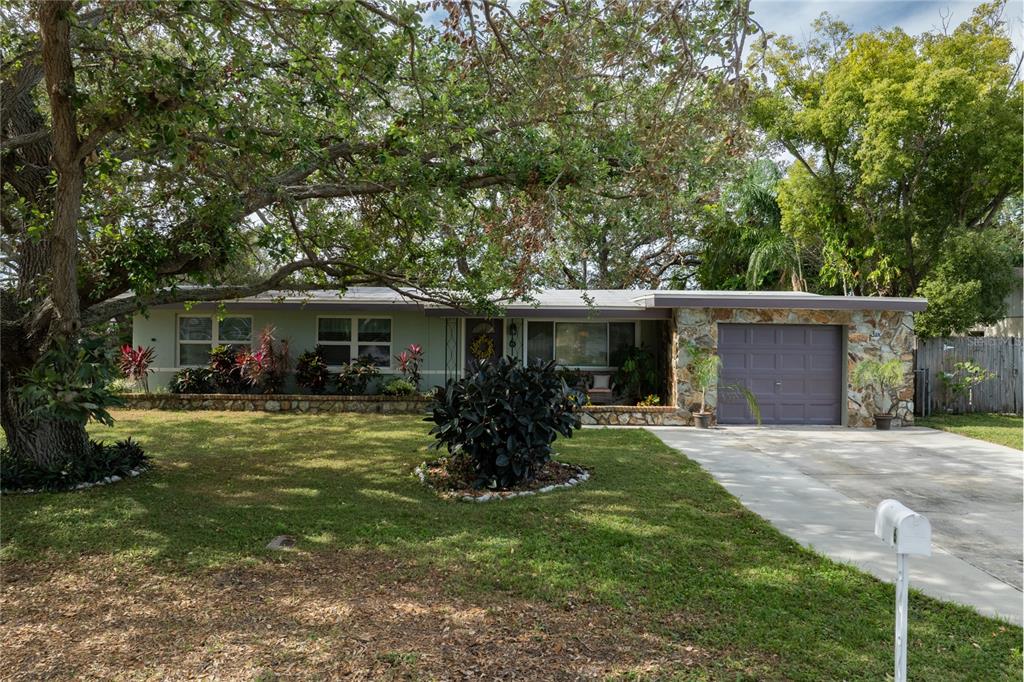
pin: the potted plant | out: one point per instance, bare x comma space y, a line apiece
704, 374
882, 379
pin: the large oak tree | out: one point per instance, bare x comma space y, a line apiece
247, 145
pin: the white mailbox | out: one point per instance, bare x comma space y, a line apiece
903, 529
908, 533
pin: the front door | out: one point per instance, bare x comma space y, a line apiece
483, 342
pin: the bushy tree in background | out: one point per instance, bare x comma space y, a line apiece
906, 149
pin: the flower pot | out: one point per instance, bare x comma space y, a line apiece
702, 420
883, 422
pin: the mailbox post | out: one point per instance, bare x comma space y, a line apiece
907, 532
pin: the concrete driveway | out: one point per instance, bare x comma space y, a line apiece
820, 485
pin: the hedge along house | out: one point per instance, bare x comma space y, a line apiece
793, 350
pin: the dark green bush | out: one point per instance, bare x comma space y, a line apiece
226, 374
102, 460
505, 418
311, 373
191, 380
354, 378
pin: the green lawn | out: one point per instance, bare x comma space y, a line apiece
1002, 429
651, 551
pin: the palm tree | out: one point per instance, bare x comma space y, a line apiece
757, 208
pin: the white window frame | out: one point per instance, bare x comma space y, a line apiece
554, 334
215, 334
354, 342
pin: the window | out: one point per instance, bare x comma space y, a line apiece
540, 341
197, 335
372, 339
579, 344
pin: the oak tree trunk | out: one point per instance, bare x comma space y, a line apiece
48, 442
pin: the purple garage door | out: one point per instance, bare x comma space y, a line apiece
795, 370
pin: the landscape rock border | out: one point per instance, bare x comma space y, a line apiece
582, 475
107, 480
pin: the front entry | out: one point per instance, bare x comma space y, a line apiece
795, 370
483, 342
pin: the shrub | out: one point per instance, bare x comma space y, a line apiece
881, 378
399, 387
101, 460
311, 373
134, 363
354, 378
636, 376
225, 372
409, 362
265, 369
505, 418
191, 380
652, 400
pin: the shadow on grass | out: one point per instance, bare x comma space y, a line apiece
650, 534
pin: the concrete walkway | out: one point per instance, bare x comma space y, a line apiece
820, 486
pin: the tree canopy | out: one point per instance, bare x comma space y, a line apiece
905, 151
246, 145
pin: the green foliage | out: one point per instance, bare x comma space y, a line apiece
192, 380
882, 378
970, 283
963, 377
70, 382
265, 369
399, 387
906, 150
225, 372
652, 400
99, 461
354, 377
311, 373
703, 368
636, 375
504, 419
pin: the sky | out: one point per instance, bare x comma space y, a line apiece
794, 17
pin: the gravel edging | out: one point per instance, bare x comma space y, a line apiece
457, 496
108, 480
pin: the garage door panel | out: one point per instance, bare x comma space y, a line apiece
794, 370
792, 360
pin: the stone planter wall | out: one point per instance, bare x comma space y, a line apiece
606, 415
379, 404
632, 415
895, 340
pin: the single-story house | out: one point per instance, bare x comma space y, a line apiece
793, 350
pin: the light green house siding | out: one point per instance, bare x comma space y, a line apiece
299, 327
159, 329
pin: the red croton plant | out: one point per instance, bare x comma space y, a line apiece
135, 362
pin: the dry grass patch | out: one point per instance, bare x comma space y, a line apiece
356, 615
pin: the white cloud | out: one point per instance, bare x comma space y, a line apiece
794, 17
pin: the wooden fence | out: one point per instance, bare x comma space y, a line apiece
998, 354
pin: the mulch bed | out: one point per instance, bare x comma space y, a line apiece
337, 615
458, 482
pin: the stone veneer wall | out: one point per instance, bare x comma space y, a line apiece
607, 415
634, 415
380, 404
700, 325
